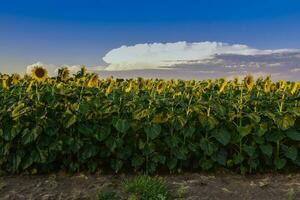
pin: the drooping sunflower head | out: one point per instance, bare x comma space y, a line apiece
130, 86
294, 88
273, 87
268, 78
281, 85
236, 80
267, 86
82, 73
39, 73
141, 84
259, 80
93, 81
109, 89
222, 88
193, 82
64, 73
5, 79
160, 87
50, 80
15, 78
249, 82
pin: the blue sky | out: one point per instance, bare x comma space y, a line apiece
84, 32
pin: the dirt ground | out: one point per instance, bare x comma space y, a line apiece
185, 186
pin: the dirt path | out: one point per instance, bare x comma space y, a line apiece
186, 186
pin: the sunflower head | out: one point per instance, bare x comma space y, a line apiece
129, 86
50, 80
109, 89
15, 78
269, 78
236, 80
160, 87
249, 82
39, 73
93, 81
64, 73
259, 80
294, 88
141, 84
222, 88
267, 86
273, 87
5, 79
193, 82
281, 84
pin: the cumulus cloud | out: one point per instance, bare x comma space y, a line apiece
160, 55
198, 60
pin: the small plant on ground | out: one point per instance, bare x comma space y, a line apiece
182, 190
147, 188
291, 194
108, 196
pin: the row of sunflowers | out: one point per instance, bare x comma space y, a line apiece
81, 122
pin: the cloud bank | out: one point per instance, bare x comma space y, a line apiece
198, 60
165, 55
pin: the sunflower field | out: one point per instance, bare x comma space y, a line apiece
81, 122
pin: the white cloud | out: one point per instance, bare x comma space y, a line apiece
200, 60
157, 55
274, 64
295, 70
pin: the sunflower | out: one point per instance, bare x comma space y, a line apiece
222, 88
273, 87
141, 84
93, 82
82, 72
294, 88
267, 86
249, 82
259, 80
109, 89
281, 84
193, 82
64, 73
208, 84
129, 87
177, 93
15, 78
5, 83
50, 80
236, 80
39, 73
160, 87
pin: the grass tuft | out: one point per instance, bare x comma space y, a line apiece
147, 188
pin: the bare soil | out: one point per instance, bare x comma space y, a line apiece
183, 186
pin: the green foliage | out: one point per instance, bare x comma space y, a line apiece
146, 188
83, 123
